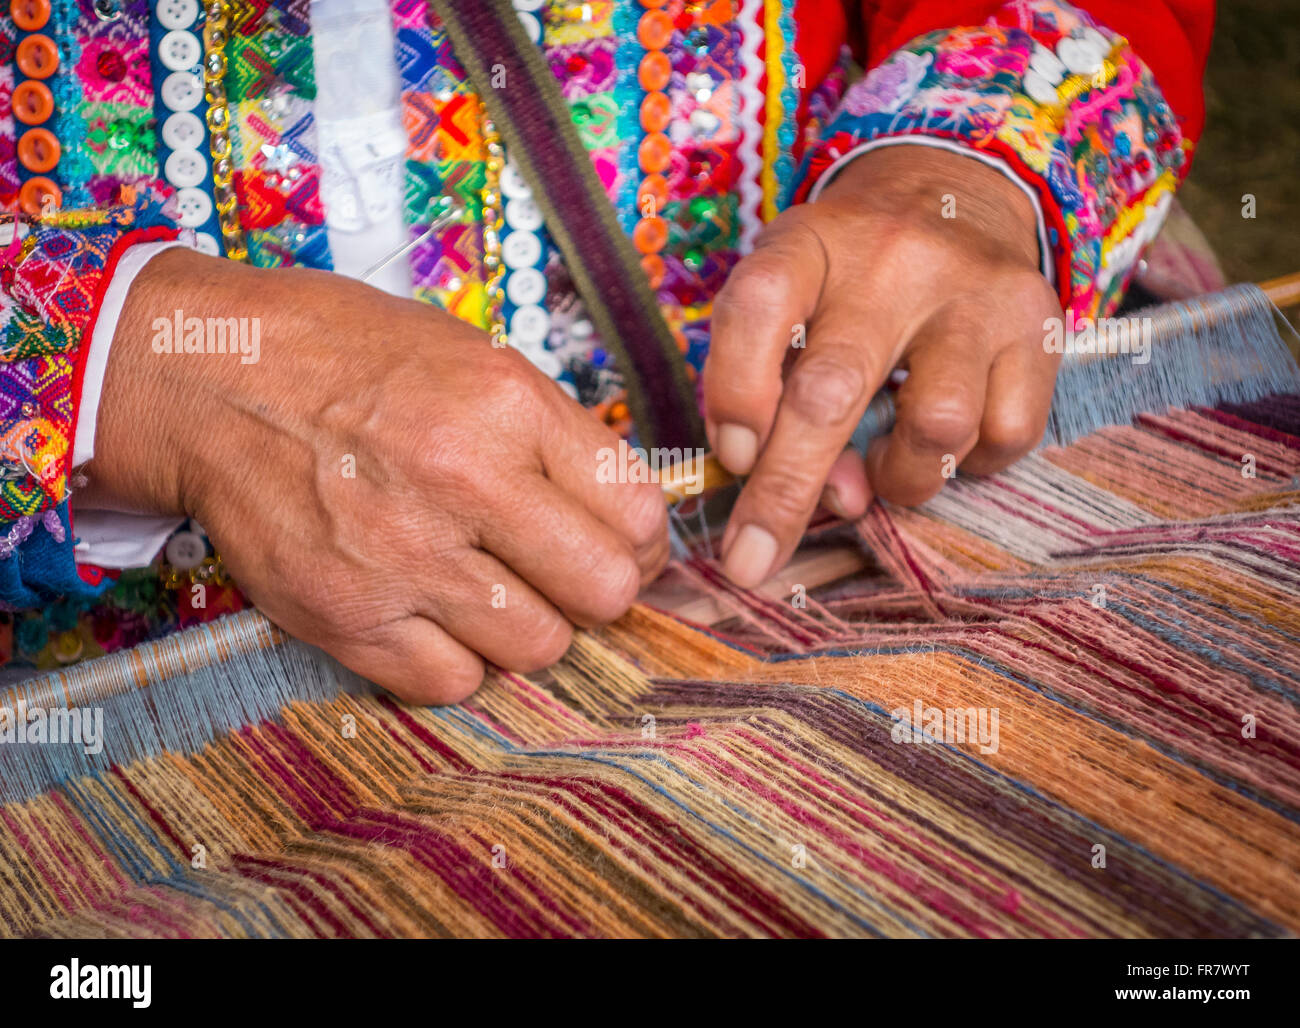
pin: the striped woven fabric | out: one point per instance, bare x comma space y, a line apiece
1127, 607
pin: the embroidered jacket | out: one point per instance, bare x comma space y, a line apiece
725, 111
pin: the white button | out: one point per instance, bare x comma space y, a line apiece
1039, 89
179, 50
521, 250
1099, 42
185, 550
1047, 64
177, 14
581, 330
513, 185
182, 131
529, 327
1079, 55
206, 242
195, 206
181, 91
527, 5
185, 168
532, 26
525, 286
523, 214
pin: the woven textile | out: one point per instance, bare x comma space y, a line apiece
1126, 605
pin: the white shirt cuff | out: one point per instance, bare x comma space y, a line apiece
1045, 255
112, 539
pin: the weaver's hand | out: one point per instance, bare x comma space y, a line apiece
382, 482
912, 258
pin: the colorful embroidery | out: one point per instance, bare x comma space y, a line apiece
50, 280
445, 159
271, 87
139, 604
9, 180
116, 109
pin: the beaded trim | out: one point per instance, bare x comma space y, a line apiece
215, 35
655, 30
493, 222
629, 95
779, 33
271, 87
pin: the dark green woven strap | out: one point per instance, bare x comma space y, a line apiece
523, 97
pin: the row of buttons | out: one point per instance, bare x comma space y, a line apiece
32, 102
180, 51
1084, 54
521, 252
654, 31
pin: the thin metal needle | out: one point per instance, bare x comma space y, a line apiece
441, 221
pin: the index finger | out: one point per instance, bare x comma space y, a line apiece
757, 316
825, 396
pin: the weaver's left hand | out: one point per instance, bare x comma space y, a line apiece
871, 277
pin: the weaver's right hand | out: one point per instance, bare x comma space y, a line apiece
382, 482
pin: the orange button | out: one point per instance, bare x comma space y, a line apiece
38, 195
653, 266
38, 150
655, 70
654, 152
650, 235
656, 112
655, 30
33, 102
38, 57
30, 15
653, 191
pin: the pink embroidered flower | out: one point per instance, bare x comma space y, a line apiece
115, 71
888, 85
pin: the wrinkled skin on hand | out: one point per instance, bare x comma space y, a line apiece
377, 479
879, 278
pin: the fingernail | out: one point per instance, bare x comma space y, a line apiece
737, 448
832, 502
751, 556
